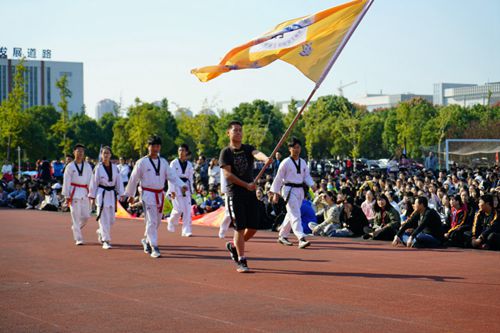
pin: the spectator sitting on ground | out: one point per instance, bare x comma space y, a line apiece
393, 200
331, 215
57, 169
367, 206
213, 173
44, 171
7, 171
486, 227
307, 215
34, 197
17, 198
3, 197
213, 201
50, 201
352, 219
386, 222
458, 225
423, 229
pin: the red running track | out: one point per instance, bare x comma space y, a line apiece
47, 284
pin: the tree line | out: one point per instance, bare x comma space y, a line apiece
330, 127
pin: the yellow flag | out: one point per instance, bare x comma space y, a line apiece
307, 43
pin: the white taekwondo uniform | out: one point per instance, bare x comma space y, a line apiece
226, 221
75, 190
181, 202
289, 181
151, 174
105, 189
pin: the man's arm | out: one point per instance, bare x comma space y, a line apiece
233, 179
258, 155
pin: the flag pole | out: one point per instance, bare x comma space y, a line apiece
316, 87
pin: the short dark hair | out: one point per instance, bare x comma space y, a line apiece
234, 122
423, 201
487, 198
154, 140
185, 147
78, 145
106, 148
294, 141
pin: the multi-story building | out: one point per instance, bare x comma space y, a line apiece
105, 106
466, 94
40, 81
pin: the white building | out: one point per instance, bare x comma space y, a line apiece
40, 78
105, 106
466, 94
379, 101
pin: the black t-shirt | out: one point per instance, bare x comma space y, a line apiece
241, 162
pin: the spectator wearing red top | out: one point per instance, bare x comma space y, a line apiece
458, 222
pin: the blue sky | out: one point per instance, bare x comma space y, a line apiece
146, 49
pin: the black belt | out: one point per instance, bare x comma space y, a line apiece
184, 179
294, 185
106, 189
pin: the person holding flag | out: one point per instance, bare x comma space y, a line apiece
105, 186
151, 172
292, 180
311, 43
237, 161
76, 180
181, 198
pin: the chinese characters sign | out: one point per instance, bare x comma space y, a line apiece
18, 52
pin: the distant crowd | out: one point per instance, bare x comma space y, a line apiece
409, 205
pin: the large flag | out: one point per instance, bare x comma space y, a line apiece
307, 43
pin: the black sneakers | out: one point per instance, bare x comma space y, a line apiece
242, 266
232, 250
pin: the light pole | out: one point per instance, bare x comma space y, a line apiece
19, 161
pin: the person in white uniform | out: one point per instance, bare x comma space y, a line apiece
151, 172
124, 170
181, 199
226, 221
106, 185
290, 181
77, 175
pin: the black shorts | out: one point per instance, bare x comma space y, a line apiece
243, 211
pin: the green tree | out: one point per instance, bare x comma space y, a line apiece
412, 116
106, 123
11, 109
121, 144
61, 128
85, 130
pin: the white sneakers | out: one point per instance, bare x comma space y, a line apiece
155, 252
170, 227
106, 245
99, 236
303, 243
79, 242
284, 241
188, 234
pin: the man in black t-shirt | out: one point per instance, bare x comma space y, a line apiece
236, 161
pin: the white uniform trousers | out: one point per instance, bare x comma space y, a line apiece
80, 212
226, 221
293, 219
152, 218
181, 207
106, 221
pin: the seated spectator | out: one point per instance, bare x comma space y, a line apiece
50, 201
458, 223
367, 206
393, 200
57, 169
17, 198
331, 215
34, 198
486, 228
386, 222
7, 171
407, 206
213, 202
423, 229
3, 197
307, 215
352, 220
